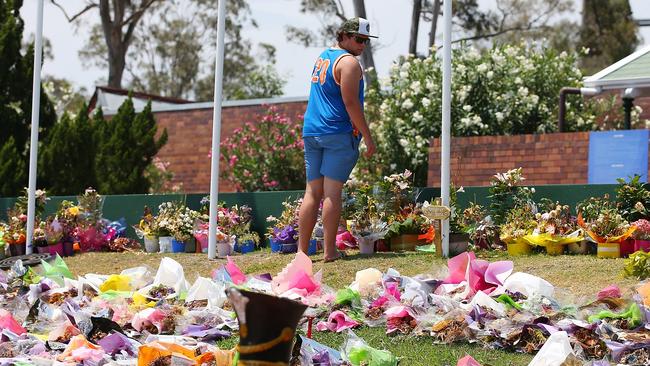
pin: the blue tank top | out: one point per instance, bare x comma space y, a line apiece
326, 113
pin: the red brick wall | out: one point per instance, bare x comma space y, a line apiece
190, 139
556, 158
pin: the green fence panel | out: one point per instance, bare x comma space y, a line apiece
266, 204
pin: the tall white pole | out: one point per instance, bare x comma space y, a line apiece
216, 130
446, 122
33, 144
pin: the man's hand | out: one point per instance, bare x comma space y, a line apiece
370, 147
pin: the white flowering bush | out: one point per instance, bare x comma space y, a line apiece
177, 220
505, 90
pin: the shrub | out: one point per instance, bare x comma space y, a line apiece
266, 156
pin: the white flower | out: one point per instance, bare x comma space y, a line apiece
407, 104
403, 74
271, 219
417, 116
393, 166
522, 91
425, 102
518, 80
499, 116
415, 87
430, 85
482, 68
467, 107
403, 142
489, 74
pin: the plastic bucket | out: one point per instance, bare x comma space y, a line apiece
151, 244
366, 246
643, 245
178, 246
223, 249
245, 247
608, 250
554, 249
313, 247
518, 247
165, 243
275, 245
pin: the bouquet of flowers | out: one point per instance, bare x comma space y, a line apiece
475, 222
284, 229
556, 226
519, 222
177, 219
147, 227
642, 231
602, 222
53, 231
90, 207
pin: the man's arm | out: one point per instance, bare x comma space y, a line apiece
350, 72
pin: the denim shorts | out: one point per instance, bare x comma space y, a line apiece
332, 156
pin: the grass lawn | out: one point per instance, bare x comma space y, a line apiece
575, 277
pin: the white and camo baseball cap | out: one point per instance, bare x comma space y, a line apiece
358, 26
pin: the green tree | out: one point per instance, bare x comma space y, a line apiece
12, 169
126, 146
16, 69
67, 159
608, 31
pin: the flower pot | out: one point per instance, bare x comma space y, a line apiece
405, 242
518, 247
68, 248
55, 249
165, 243
223, 249
643, 245
190, 246
554, 249
178, 246
275, 245
608, 250
245, 247
581, 247
313, 247
289, 248
43, 250
366, 246
381, 246
627, 247
17, 249
151, 244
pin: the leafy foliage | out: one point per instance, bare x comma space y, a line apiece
266, 156
505, 90
16, 69
637, 265
67, 159
125, 148
632, 198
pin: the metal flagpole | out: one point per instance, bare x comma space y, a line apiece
446, 122
33, 144
216, 130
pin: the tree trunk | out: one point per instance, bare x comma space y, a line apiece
434, 23
415, 25
366, 57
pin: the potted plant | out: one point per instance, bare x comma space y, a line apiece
405, 228
15, 233
182, 226
247, 242
506, 193
147, 230
519, 222
632, 198
40, 240
283, 234
603, 223
555, 228
54, 236
164, 221
68, 218
641, 235
482, 231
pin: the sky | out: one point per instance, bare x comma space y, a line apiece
388, 19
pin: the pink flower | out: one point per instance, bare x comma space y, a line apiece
233, 160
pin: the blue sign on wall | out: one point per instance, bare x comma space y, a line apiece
617, 154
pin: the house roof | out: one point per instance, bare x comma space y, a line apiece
110, 99
631, 72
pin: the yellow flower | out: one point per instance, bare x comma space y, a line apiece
74, 211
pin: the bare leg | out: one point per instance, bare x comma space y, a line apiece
331, 214
309, 213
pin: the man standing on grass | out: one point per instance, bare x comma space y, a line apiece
334, 126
